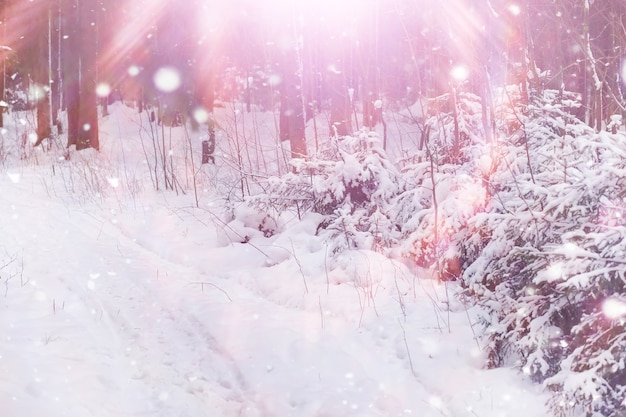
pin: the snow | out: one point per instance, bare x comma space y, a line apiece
117, 300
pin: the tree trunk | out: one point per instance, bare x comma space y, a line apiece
55, 61
369, 89
3, 54
71, 68
368, 52
41, 77
340, 123
207, 100
291, 121
88, 102
79, 64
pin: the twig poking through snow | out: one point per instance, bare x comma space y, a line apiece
293, 249
408, 351
202, 284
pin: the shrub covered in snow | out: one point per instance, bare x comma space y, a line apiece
443, 191
350, 182
450, 136
548, 255
534, 222
433, 212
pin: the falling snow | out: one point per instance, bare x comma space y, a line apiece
146, 302
137, 281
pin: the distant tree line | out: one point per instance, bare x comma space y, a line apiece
347, 58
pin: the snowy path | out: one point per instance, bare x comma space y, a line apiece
134, 315
128, 336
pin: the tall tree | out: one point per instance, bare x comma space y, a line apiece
338, 82
289, 56
70, 63
4, 50
79, 72
291, 119
41, 74
204, 69
88, 136
54, 49
369, 68
32, 46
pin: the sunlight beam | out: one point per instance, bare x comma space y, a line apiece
135, 21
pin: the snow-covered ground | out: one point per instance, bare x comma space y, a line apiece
117, 300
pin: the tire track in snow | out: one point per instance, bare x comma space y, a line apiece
173, 359
179, 325
439, 402
177, 363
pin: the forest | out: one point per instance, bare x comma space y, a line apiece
305, 57
479, 140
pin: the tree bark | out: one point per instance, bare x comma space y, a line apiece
205, 97
42, 80
3, 54
368, 54
79, 64
39, 72
291, 121
340, 117
71, 69
55, 60
88, 102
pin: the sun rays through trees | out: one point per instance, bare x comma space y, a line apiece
504, 170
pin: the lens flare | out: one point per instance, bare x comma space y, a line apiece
200, 115
460, 73
167, 79
274, 80
103, 90
614, 308
134, 70
515, 10
37, 92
